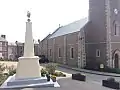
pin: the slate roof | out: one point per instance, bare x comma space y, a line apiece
70, 28
46, 37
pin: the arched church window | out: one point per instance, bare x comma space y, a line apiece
97, 53
59, 52
116, 29
72, 52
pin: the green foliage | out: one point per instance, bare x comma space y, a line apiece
43, 72
11, 70
53, 77
111, 70
93, 65
51, 68
2, 76
115, 70
59, 74
2, 68
111, 79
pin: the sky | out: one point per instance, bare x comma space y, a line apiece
46, 15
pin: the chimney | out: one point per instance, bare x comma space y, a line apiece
3, 36
59, 25
39, 41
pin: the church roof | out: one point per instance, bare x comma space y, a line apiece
46, 37
70, 28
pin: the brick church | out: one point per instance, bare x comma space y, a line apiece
92, 39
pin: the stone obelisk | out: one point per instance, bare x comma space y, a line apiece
28, 65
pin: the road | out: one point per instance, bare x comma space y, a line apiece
69, 84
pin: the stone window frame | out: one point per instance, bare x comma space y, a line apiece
50, 52
71, 53
116, 28
97, 51
59, 52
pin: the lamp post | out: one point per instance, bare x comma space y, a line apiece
17, 49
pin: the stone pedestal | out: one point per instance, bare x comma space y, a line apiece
28, 67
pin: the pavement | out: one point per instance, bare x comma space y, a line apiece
69, 84
90, 71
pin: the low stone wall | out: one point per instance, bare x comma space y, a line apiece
9, 63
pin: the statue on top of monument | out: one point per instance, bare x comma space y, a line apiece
28, 15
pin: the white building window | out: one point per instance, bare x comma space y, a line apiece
59, 52
97, 53
72, 52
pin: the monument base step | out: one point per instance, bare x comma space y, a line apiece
28, 83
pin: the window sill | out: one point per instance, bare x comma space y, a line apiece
97, 56
116, 35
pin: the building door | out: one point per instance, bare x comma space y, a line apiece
116, 61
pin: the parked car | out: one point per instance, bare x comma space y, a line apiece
43, 59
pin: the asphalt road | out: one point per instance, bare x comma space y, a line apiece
69, 84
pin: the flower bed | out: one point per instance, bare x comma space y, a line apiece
79, 77
9, 72
53, 78
50, 69
111, 83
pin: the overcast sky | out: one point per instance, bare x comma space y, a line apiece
46, 15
